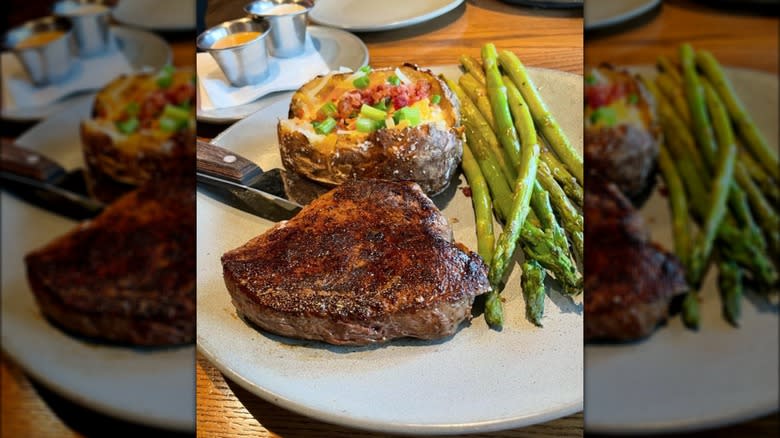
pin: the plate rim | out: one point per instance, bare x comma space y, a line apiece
43, 114
74, 395
204, 117
617, 19
394, 25
379, 426
701, 423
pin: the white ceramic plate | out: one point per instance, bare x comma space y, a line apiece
377, 15
166, 15
150, 386
679, 380
143, 50
604, 13
479, 380
338, 49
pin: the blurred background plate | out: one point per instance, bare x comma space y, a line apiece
377, 15
338, 49
679, 380
142, 49
162, 15
151, 386
605, 13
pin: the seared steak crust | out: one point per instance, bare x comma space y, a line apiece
369, 261
128, 275
630, 281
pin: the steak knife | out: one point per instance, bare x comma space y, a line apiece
240, 183
41, 181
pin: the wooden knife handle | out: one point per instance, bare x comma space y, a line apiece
217, 161
28, 163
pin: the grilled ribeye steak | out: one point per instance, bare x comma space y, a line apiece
630, 281
128, 275
367, 262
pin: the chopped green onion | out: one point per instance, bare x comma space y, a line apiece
175, 113
368, 125
382, 104
365, 69
361, 82
633, 99
411, 115
165, 77
168, 124
132, 109
393, 80
590, 79
324, 127
329, 109
164, 81
372, 113
435, 99
128, 126
604, 114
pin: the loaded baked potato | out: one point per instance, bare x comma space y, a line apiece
142, 128
393, 123
621, 133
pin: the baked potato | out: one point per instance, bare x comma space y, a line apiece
394, 123
621, 132
142, 128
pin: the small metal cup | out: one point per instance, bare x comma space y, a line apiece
90, 20
288, 28
243, 64
45, 63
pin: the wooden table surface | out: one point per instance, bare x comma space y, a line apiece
737, 37
542, 38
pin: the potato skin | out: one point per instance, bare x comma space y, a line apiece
117, 163
427, 154
424, 154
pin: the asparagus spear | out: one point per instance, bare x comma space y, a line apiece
507, 241
483, 206
730, 285
738, 244
473, 66
542, 116
761, 206
665, 65
567, 181
694, 94
690, 310
540, 203
570, 217
497, 94
673, 92
471, 113
747, 128
502, 193
682, 244
478, 95
532, 281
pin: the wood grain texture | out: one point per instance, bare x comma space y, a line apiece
737, 38
225, 409
541, 38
